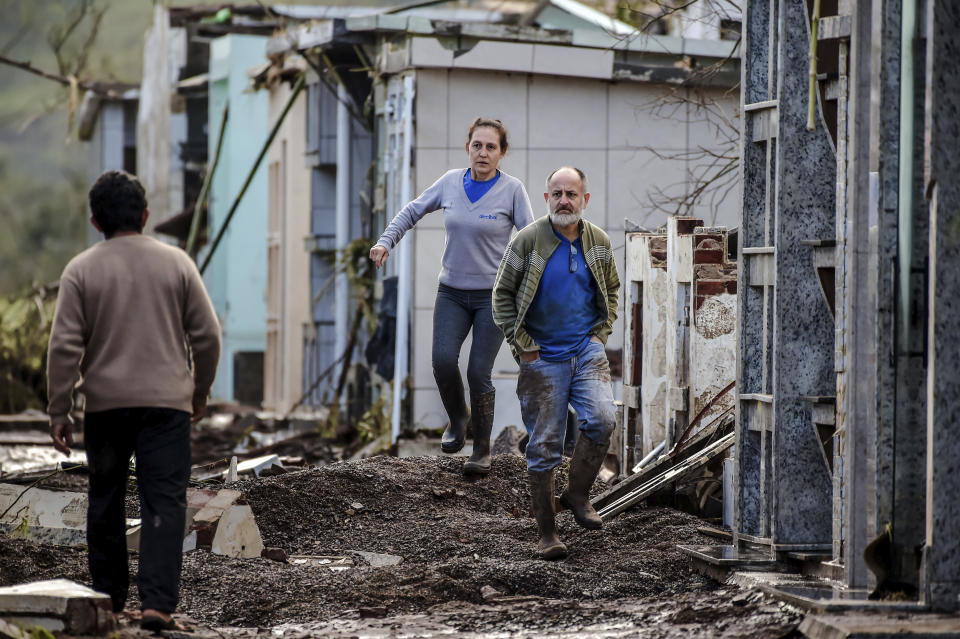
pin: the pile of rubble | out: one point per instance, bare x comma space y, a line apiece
366, 545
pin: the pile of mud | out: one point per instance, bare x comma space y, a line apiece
455, 537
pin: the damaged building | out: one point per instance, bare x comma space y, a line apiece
402, 88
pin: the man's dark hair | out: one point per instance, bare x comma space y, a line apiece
117, 200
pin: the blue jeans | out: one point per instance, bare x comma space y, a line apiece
457, 312
545, 389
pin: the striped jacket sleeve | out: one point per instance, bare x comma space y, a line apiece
506, 302
613, 296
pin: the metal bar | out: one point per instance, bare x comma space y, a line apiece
205, 189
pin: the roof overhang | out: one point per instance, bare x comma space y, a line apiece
419, 42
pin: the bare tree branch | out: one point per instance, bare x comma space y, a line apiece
96, 87
58, 35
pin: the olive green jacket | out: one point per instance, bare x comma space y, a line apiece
522, 267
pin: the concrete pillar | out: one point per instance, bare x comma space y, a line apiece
940, 575
858, 385
785, 339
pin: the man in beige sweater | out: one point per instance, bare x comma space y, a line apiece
132, 315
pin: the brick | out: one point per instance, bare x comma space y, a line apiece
709, 287
708, 256
708, 241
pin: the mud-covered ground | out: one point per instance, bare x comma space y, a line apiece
468, 564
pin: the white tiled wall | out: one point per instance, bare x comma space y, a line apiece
600, 126
494, 95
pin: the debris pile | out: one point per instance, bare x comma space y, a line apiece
370, 541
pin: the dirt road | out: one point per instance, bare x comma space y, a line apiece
468, 564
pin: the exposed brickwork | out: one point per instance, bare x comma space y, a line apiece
658, 252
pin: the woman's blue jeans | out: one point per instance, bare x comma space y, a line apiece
455, 314
545, 389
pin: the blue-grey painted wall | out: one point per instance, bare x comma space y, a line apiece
236, 277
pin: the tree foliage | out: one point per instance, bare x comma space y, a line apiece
24, 333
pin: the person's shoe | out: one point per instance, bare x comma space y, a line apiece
156, 622
482, 420
588, 456
455, 434
541, 498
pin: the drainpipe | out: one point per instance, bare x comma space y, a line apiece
342, 226
400, 355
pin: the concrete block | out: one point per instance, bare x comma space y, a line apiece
258, 465
551, 127
428, 52
133, 537
59, 605
507, 410
877, 624
376, 559
427, 246
237, 534
490, 94
571, 61
502, 56
48, 516
431, 164
421, 364
637, 121
504, 364
431, 114
634, 178
428, 410
515, 163
216, 506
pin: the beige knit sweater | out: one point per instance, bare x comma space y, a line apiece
127, 309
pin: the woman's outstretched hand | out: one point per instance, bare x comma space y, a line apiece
378, 255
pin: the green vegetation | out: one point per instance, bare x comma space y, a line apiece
24, 333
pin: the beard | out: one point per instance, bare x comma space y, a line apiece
565, 218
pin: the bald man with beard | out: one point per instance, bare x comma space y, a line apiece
555, 299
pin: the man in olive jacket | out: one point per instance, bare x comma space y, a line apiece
555, 299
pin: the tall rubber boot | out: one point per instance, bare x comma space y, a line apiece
451, 394
482, 421
541, 498
587, 458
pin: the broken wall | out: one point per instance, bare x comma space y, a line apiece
679, 337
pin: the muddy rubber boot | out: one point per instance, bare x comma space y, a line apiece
482, 420
455, 434
587, 458
541, 498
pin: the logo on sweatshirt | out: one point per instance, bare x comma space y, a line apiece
487, 216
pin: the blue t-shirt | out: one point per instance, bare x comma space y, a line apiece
476, 189
564, 307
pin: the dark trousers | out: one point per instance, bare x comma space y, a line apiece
160, 439
457, 312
